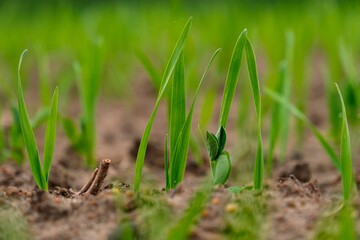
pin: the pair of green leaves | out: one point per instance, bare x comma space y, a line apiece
40, 172
219, 159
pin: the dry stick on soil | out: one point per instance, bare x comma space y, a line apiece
88, 184
97, 179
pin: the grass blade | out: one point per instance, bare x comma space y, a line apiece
50, 135
166, 165
286, 91
297, 113
345, 152
165, 79
232, 79
254, 82
178, 105
29, 137
152, 71
178, 164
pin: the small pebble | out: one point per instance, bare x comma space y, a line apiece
205, 213
215, 201
129, 193
231, 207
57, 200
11, 190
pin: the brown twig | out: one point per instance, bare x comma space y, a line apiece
88, 184
100, 177
97, 179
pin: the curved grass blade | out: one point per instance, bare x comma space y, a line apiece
50, 135
178, 104
254, 82
232, 79
177, 168
297, 113
152, 71
165, 79
28, 134
345, 152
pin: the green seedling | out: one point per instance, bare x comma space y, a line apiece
345, 152
156, 80
88, 83
40, 172
220, 160
164, 81
180, 127
301, 116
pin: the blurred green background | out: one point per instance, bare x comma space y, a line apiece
57, 33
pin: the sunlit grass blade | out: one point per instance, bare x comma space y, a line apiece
178, 105
345, 152
50, 135
298, 114
29, 137
177, 166
165, 79
254, 82
232, 79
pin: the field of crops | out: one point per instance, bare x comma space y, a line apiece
179, 120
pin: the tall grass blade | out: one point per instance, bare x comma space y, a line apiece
297, 113
178, 164
254, 82
28, 134
166, 165
345, 152
286, 91
50, 135
165, 79
232, 79
178, 104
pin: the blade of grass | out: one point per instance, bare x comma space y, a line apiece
286, 91
166, 165
50, 135
178, 105
177, 166
297, 113
165, 79
28, 134
345, 152
152, 71
232, 79
254, 82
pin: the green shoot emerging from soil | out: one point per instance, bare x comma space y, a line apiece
88, 82
345, 152
220, 160
40, 173
165, 79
